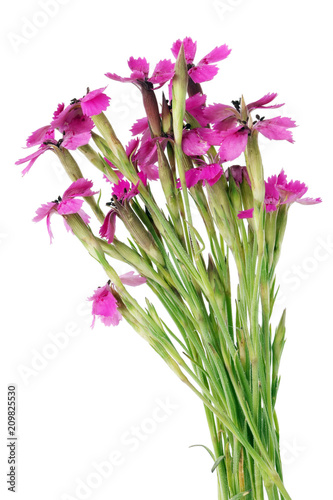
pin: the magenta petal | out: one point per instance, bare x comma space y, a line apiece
309, 201
40, 135
95, 102
140, 64
233, 144
217, 54
72, 141
118, 78
85, 217
132, 279
81, 187
211, 173
150, 171
69, 206
198, 140
204, 73
261, 103
163, 71
195, 105
43, 211
140, 126
192, 177
218, 112
276, 128
190, 49
48, 225
108, 227
105, 306
131, 147
59, 110
31, 159
246, 214
270, 207
193, 144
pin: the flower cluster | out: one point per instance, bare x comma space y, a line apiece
211, 135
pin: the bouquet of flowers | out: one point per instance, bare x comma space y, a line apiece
189, 221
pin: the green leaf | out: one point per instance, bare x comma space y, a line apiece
206, 448
199, 238
217, 462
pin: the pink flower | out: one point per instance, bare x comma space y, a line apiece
280, 192
122, 192
67, 204
235, 131
205, 69
73, 122
104, 302
105, 306
206, 173
164, 70
292, 191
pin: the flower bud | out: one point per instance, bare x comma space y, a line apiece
139, 232
179, 89
166, 116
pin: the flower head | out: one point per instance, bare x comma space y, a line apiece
67, 204
163, 72
73, 123
206, 173
280, 192
121, 193
235, 124
205, 69
105, 304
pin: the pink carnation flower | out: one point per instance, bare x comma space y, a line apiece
164, 70
280, 192
122, 192
73, 122
67, 204
205, 69
235, 131
206, 173
105, 304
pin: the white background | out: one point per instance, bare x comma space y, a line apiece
75, 409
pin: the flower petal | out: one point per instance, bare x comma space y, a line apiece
95, 102
233, 144
203, 73
261, 103
132, 279
190, 49
217, 54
